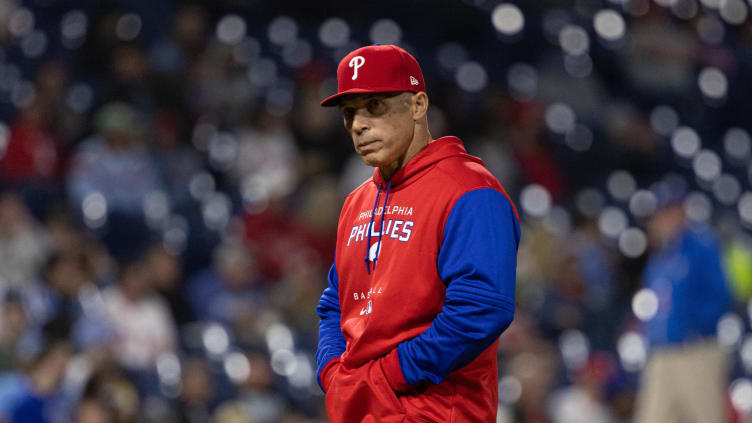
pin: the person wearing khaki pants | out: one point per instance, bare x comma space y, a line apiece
685, 378
684, 384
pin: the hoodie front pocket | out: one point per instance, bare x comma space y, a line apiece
431, 404
362, 395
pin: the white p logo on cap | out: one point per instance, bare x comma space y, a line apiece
355, 63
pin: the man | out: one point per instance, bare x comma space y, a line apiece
685, 376
424, 275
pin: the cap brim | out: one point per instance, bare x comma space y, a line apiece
334, 100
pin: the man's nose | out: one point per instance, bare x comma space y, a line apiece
360, 123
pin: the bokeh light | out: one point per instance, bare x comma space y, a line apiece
297, 53
280, 102
745, 209
589, 202
707, 165
334, 32
303, 374
643, 203
730, 330
578, 66
574, 40
34, 44
685, 9
711, 4
632, 349
575, 349
612, 222
713, 83
262, 72
740, 393
237, 367
23, 94
94, 209
282, 31
508, 19
80, 98
471, 77
535, 200
510, 390
156, 208
633, 242
698, 207
21, 22
560, 118
4, 138
279, 337
685, 142
710, 29
523, 81
645, 304
558, 221
223, 149
621, 185
580, 138
215, 339
169, 369
231, 29
745, 353
727, 189
609, 25
175, 234
385, 31
73, 27
216, 211
733, 12
664, 120
128, 27
246, 51
451, 55
737, 145
284, 362
201, 185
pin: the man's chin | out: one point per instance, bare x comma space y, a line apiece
372, 161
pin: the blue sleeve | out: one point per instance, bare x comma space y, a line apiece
331, 341
478, 262
712, 292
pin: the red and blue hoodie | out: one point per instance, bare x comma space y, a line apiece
422, 285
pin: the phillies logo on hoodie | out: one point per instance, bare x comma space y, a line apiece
396, 228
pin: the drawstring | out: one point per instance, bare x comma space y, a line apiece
381, 229
370, 228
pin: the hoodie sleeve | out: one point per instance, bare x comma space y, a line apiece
477, 261
331, 341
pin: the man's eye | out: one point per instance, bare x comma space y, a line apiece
375, 106
348, 112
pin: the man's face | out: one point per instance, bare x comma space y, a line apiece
381, 126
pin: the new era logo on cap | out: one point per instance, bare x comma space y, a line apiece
377, 69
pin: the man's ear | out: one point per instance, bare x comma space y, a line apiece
420, 105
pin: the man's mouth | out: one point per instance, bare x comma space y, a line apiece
366, 143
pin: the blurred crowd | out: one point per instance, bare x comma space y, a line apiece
170, 188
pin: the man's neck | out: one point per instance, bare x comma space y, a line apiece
416, 146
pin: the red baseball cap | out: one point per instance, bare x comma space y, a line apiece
376, 69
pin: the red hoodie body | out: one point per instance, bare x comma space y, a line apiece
396, 298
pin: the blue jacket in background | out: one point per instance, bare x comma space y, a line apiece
688, 278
